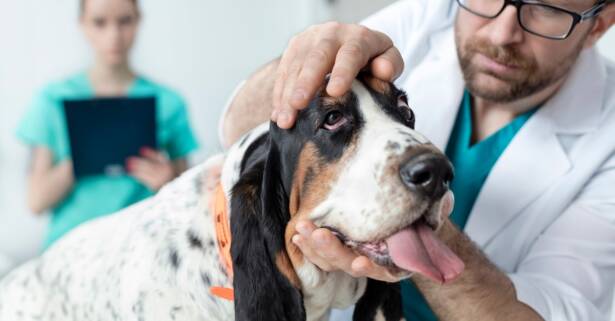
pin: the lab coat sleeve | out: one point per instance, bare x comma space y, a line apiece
569, 273
225, 110
411, 25
399, 20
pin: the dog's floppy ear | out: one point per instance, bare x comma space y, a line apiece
259, 207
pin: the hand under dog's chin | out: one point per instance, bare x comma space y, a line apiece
414, 247
376, 251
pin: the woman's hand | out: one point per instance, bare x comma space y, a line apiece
153, 168
48, 184
340, 49
326, 251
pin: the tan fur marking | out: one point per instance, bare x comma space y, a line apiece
314, 193
286, 268
308, 156
335, 101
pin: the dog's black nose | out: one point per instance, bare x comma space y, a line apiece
428, 174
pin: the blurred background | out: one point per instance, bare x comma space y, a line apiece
201, 49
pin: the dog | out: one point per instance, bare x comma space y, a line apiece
352, 164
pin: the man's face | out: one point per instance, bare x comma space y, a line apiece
503, 63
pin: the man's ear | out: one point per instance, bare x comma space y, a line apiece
602, 23
263, 275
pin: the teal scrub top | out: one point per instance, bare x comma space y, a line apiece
44, 126
472, 163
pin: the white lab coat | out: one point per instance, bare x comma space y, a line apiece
546, 213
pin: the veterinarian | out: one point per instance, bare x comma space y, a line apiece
517, 95
110, 27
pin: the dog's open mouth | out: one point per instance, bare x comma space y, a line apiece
414, 248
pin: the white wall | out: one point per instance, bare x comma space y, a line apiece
201, 48
355, 10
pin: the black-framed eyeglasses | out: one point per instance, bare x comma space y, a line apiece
535, 17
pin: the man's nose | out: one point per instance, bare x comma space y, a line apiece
505, 29
428, 174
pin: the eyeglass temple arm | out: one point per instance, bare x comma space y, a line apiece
593, 11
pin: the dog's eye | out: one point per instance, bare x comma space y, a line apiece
334, 120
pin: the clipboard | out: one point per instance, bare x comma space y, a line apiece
104, 132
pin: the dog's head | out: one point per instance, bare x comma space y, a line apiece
356, 166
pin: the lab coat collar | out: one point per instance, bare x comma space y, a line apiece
534, 159
435, 88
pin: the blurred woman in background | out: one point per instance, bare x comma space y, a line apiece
110, 27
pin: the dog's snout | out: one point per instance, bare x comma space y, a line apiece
428, 174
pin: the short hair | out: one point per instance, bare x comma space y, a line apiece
82, 5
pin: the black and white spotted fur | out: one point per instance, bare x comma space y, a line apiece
157, 260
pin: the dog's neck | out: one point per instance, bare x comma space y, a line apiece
323, 291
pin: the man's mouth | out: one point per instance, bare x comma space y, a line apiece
494, 65
414, 248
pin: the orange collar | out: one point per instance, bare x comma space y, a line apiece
219, 209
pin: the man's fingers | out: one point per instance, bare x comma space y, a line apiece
343, 50
324, 246
310, 255
317, 65
363, 266
388, 66
350, 59
325, 250
288, 71
329, 247
287, 114
281, 74
354, 55
278, 89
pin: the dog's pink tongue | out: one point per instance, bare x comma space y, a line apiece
417, 249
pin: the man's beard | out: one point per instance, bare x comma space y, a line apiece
529, 79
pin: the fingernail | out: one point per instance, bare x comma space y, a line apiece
283, 118
303, 229
299, 96
274, 114
296, 239
336, 82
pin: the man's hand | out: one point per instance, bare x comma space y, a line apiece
153, 168
340, 49
282, 87
326, 251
